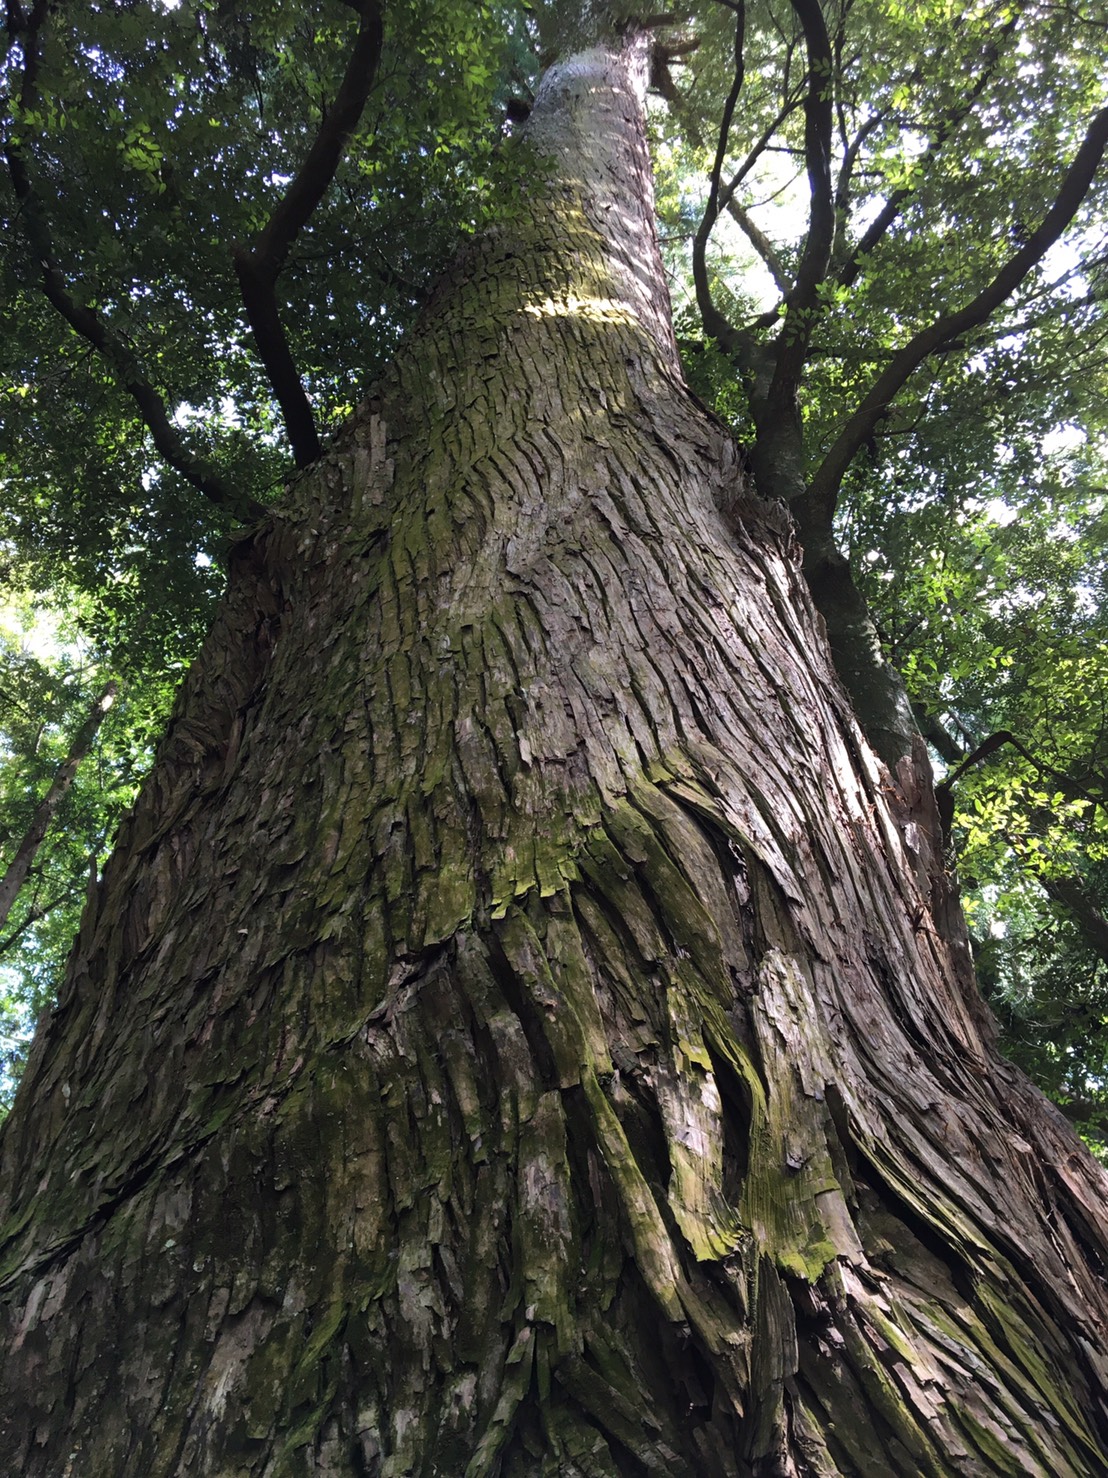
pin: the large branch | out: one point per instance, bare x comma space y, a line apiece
819, 123
1088, 1114
259, 263
16, 874
1071, 893
112, 347
824, 487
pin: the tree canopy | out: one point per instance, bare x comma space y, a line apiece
886, 228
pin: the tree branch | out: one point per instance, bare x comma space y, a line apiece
1088, 1114
851, 268
1066, 889
982, 752
38, 912
850, 159
258, 264
734, 341
937, 735
20, 865
113, 349
823, 490
757, 149
1072, 894
1061, 779
819, 123
761, 244
715, 324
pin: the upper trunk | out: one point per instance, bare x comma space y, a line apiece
514, 1033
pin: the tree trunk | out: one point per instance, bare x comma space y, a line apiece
522, 1030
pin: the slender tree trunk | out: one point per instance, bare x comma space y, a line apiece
521, 1030
15, 874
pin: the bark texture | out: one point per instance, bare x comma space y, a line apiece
522, 1030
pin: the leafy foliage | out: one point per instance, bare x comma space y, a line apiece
1002, 629
47, 685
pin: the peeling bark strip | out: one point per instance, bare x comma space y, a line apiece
514, 1035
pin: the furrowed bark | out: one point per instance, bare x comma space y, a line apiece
514, 1034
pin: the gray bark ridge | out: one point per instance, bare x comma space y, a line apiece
514, 1034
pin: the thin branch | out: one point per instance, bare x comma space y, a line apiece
726, 201
761, 145
715, 324
879, 226
838, 47
1065, 782
20, 865
840, 111
761, 244
258, 264
125, 366
40, 911
982, 752
824, 487
850, 159
1067, 889
96, 330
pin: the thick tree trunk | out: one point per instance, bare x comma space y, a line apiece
521, 1030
